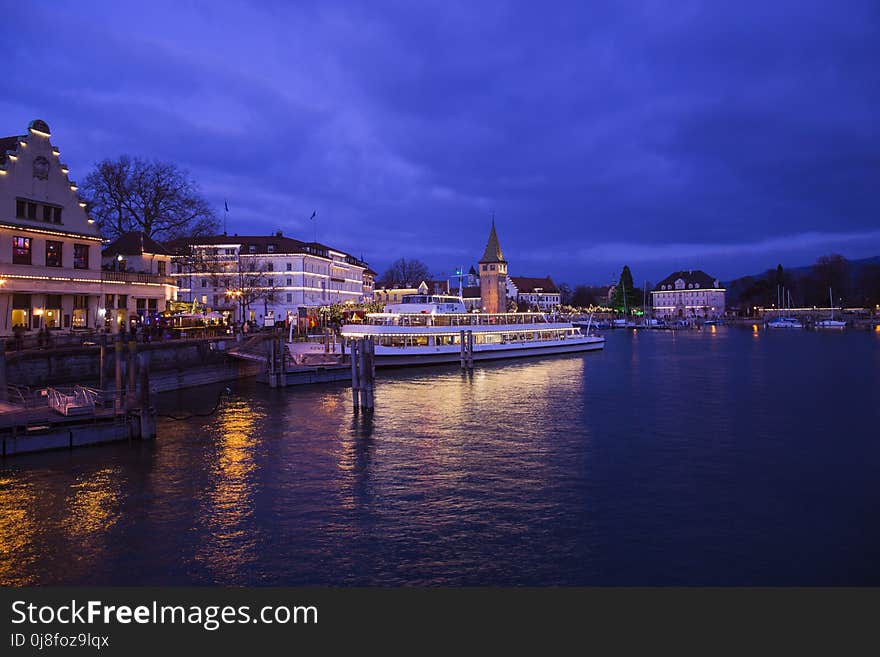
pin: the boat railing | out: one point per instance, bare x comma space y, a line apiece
454, 319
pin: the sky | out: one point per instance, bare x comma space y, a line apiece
664, 135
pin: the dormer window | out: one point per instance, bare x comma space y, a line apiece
270, 248
252, 248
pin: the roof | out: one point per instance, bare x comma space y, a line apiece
525, 284
693, 278
493, 248
472, 271
134, 243
261, 245
7, 144
471, 292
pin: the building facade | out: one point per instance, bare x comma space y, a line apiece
540, 293
688, 294
254, 278
493, 276
50, 249
144, 266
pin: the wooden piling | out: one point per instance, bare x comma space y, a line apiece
4, 391
463, 341
148, 418
118, 363
355, 383
102, 358
470, 350
131, 393
367, 374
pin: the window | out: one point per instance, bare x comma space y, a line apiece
290, 298
289, 282
252, 248
270, 266
56, 215
80, 256
204, 282
31, 210
20, 209
47, 213
289, 267
252, 267
216, 300
270, 248
21, 250
162, 267
230, 251
53, 253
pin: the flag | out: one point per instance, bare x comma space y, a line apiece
226, 205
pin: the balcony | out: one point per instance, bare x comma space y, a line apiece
136, 277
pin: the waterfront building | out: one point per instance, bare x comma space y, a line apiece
50, 249
395, 294
369, 284
540, 293
140, 262
688, 294
258, 277
493, 276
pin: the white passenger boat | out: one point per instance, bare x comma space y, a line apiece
428, 329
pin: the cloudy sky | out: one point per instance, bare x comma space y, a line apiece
727, 136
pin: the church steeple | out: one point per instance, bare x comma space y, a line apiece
493, 247
493, 275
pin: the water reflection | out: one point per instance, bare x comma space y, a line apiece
671, 458
228, 505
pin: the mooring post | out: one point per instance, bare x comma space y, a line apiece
148, 419
4, 391
355, 384
470, 350
367, 374
102, 357
270, 365
463, 340
118, 357
131, 393
362, 371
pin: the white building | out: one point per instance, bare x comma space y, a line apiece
539, 293
688, 294
255, 277
50, 250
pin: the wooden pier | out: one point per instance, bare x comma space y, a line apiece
63, 418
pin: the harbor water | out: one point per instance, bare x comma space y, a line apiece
724, 456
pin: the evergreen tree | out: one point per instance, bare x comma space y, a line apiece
625, 287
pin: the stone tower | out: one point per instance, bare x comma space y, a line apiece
493, 276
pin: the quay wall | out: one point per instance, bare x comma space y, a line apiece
173, 365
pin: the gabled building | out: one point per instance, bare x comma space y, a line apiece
540, 293
688, 294
50, 249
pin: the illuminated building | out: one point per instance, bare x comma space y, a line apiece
256, 277
540, 293
493, 276
50, 250
686, 294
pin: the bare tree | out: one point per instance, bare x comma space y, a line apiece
406, 273
158, 198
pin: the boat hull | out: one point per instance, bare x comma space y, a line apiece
414, 356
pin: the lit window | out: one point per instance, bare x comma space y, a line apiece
80, 256
21, 250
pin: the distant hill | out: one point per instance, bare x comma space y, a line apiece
737, 286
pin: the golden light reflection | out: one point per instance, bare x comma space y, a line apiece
230, 499
17, 533
93, 505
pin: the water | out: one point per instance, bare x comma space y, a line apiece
713, 457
